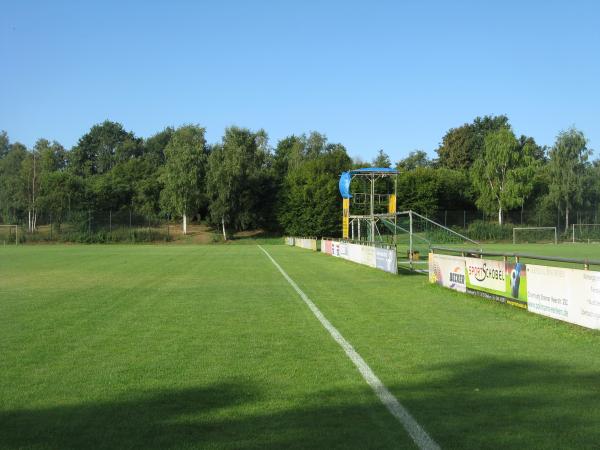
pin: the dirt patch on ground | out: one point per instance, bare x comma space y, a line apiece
196, 234
248, 233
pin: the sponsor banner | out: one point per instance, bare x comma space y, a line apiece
345, 217
486, 275
368, 256
587, 290
497, 280
354, 253
310, 244
570, 295
361, 254
516, 284
447, 271
385, 259
326, 246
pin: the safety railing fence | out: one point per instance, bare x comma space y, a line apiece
518, 256
378, 244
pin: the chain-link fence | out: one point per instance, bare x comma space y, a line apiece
463, 218
94, 226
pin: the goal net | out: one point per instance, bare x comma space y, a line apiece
586, 232
9, 234
416, 234
535, 235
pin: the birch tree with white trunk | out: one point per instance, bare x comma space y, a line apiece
567, 165
502, 173
183, 173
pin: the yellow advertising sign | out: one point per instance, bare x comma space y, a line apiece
392, 204
346, 218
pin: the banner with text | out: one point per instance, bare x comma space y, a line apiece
571, 295
326, 246
497, 280
386, 260
310, 244
447, 271
379, 258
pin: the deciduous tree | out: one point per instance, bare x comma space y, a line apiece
567, 165
501, 173
183, 175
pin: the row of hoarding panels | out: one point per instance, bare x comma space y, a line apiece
308, 243
376, 257
570, 295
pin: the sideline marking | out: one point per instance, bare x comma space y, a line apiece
416, 432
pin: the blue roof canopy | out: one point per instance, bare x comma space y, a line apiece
346, 177
375, 169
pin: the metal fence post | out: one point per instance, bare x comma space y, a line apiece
410, 234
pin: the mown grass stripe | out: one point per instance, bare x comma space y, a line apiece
416, 431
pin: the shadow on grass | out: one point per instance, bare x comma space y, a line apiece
406, 270
228, 415
508, 403
478, 403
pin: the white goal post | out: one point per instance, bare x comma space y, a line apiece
16, 228
555, 232
586, 232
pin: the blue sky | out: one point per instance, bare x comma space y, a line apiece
371, 75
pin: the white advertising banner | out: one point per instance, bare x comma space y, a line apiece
385, 259
335, 249
379, 258
571, 295
447, 271
354, 253
587, 288
368, 256
310, 244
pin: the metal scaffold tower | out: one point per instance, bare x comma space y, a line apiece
370, 214
369, 201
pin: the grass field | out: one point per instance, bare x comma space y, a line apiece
181, 346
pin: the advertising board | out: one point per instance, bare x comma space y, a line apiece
326, 246
497, 280
385, 259
570, 295
447, 271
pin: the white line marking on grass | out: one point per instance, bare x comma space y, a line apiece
416, 431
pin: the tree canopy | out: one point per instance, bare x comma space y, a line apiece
242, 183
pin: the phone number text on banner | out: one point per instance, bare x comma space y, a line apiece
571, 295
497, 280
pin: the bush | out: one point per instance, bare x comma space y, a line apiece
136, 235
489, 231
441, 236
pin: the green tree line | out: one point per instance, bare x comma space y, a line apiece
242, 182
